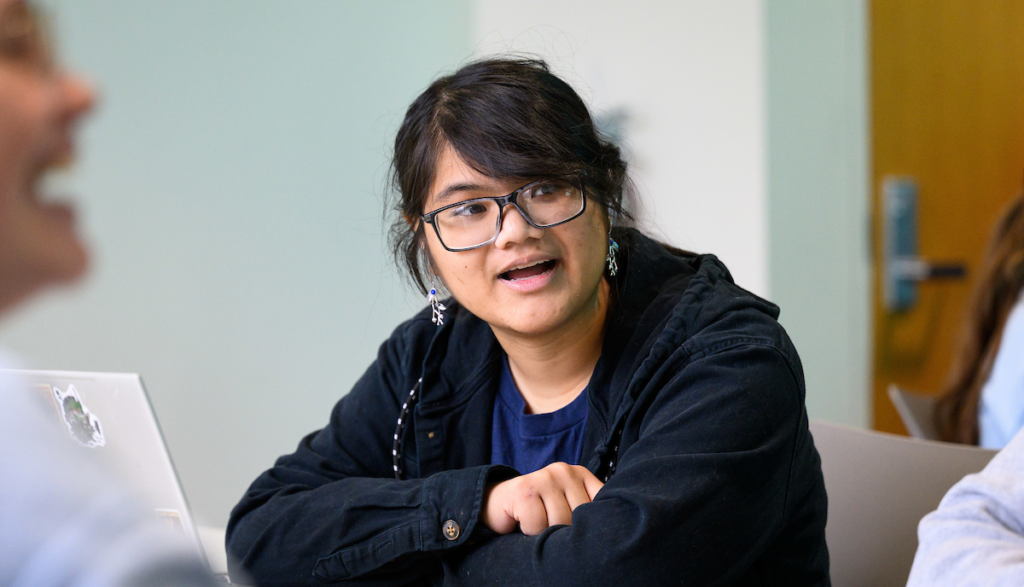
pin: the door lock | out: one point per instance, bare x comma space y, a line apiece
902, 268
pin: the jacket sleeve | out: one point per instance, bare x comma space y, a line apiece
976, 537
333, 510
696, 499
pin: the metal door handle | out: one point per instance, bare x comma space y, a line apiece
902, 268
919, 269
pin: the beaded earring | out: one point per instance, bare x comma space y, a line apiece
436, 306
613, 251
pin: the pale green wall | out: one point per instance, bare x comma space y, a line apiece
230, 183
818, 196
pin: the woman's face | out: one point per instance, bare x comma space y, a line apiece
529, 281
39, 109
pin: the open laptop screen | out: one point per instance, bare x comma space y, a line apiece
109, 416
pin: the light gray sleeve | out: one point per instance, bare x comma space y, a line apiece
64, 521
1001, 407
976, 537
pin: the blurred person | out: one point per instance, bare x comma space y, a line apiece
589, 407
984, 400
976, 536
63, 521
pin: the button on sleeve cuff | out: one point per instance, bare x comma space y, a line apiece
449, 515
453, 503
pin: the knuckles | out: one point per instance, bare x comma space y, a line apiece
554, 477
528, 499
561, 470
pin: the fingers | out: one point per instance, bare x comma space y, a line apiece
576, 495
497, 512
540, 499
532, 515
578, 483
561, 488
591, 483
558, 510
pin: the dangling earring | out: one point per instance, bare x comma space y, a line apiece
613, 250
437, 307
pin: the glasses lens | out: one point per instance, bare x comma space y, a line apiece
551, 201
475, 222
469, 224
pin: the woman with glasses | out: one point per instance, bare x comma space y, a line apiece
589, 406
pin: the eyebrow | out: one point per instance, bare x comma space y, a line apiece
447, 193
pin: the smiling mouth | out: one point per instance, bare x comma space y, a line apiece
528, 272
49, 164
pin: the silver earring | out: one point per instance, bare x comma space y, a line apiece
436, 307
613, 251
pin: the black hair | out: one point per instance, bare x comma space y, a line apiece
506, 118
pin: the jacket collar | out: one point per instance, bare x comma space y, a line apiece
462, 356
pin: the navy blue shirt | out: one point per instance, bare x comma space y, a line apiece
528, 442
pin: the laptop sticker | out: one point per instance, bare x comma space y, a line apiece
172, 519
82, 424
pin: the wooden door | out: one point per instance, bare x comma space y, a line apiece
947, 81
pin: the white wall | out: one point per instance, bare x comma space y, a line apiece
690, 76
230, 184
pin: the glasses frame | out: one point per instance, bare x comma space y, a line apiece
502, 202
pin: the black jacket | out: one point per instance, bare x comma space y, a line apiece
696, 417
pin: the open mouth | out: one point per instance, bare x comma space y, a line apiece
530, 271
43, 189
47, 172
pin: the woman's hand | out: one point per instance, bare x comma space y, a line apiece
539, 500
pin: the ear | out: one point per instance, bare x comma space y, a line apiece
606, 219
416, 224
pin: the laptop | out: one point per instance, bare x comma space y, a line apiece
110, 414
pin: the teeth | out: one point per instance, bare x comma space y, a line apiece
524, 266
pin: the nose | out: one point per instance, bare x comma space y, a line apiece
78, 96
515, 229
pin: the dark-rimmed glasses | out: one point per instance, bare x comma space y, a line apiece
474, 223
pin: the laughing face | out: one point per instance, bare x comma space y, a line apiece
39, 108
529, 281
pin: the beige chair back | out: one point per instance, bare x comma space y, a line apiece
879, 487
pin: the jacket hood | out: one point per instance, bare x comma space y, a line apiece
700, 285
